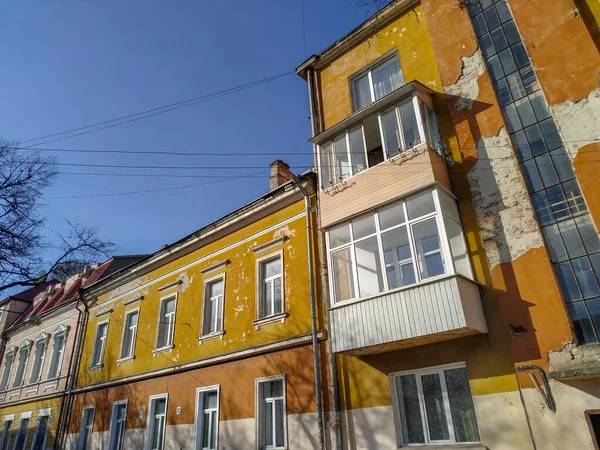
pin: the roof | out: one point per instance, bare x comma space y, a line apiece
28, 295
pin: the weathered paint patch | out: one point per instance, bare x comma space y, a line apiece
185, 282
466, 88
504, 212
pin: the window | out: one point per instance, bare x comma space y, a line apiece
594, 422
214, 291
378, 81
434, 406
271, 285
166, 323
207, 418
117, 425
99, 344
38, 358
5, 434
157, 416
129, 334
8, 362
22, 364
271, 412
87, 426
39, 439
58, 351
379, 137
399, 244
21, 438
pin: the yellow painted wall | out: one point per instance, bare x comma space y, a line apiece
239, 303
35, 408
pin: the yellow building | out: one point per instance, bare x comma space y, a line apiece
458, 203
210, 342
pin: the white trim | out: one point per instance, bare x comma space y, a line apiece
100, 363
214, 267
270, 319
9, 417
258, 281
82, 445
102, 314
205, 286
270, 245
170, 345
133, 301
113, 421
25, 415
130, 355
167, 287
211, 336
148, 442
257, 405
197, 430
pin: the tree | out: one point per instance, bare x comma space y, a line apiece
24, 175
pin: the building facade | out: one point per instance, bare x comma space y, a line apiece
209, 343
456, 145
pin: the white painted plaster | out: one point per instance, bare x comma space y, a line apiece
466, 87
368, 428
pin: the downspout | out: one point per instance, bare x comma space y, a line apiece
315, 128
74, 369
313, 313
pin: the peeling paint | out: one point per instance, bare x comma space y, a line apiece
185, 282
284, 231
466, 87
578, 122
504, 212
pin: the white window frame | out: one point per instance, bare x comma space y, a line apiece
387, 153
259, 282
100, 362
447, 260
12, 351
80, 444
149, 431
257, 402
205, 297
368, 72
45, 338
20, 429
5, 437
37, 430
113, 424
60, 352
25, 345
171, 344
199, 415
401, 441
131, 353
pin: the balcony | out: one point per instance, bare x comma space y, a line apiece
437, 310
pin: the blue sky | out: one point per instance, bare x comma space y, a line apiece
71, 64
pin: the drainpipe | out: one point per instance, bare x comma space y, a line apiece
313, 313
73, 368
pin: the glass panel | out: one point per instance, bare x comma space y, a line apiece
582, 325
555, 244
339, 235
558, 203
160, 407
448, 205
391, 215
562, 164
535, 140
398, 260
525, 111
503, 11
516, 86
370, 279
408, 399
550, 133
487, 45
566, 278
22, 436
427, 245
593, 307
585, 277
343, 276
342, 165
362, 92
420, 204
357, 150
461, 405
169, 306
363, 226
529, 80
508, 65
511, 33
491, 18
268, 421
389, 122
279, 423
571, 238
539, 106
373, 140
386, 78
479, 25
522, 146
278, 305
460, 254
546, 169
499, 40
590, 238
434, 407
520, 55
326, 163
574, 197
40, 434
410, 130
495, 68
532, 177
210, 400
512, 118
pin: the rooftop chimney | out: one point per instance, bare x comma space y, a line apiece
280, 174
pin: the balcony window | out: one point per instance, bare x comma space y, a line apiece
397, 245
379, 137
376, 82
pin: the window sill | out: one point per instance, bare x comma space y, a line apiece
448, 446
125, 359
208, 337
32, 389
14, 392
168, 348
96, 367
51, 385
270, 319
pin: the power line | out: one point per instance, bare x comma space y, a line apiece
150, 112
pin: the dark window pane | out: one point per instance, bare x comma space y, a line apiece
434, 407
461, 405
525, 112
491, 18
503, 11
570, 236
546, 169
479, 25
512, 118
593, 307
499, 39
539, 106
520, 55
486, 3
495, 68
542, 208
574, 197
535, 140
473, 7
585, 276
511, 32
487, 45
562, 164
534, 182
550, 133
503, 92
408, 398
581, 323
588, 233
507, 61
529, 80
595, 260
566, 279
554, 242
523, 150
516, 85
558, 203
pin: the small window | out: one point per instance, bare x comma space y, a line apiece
8, 362
207, 418
214, 292
157, 417
38, 358
435, 406
166, 323
129, 334
21, 438
39, 439
87, 426
5, 437
271, 286
58, 351
271, 413
117, 425
99, 344
23, 358
378, 81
